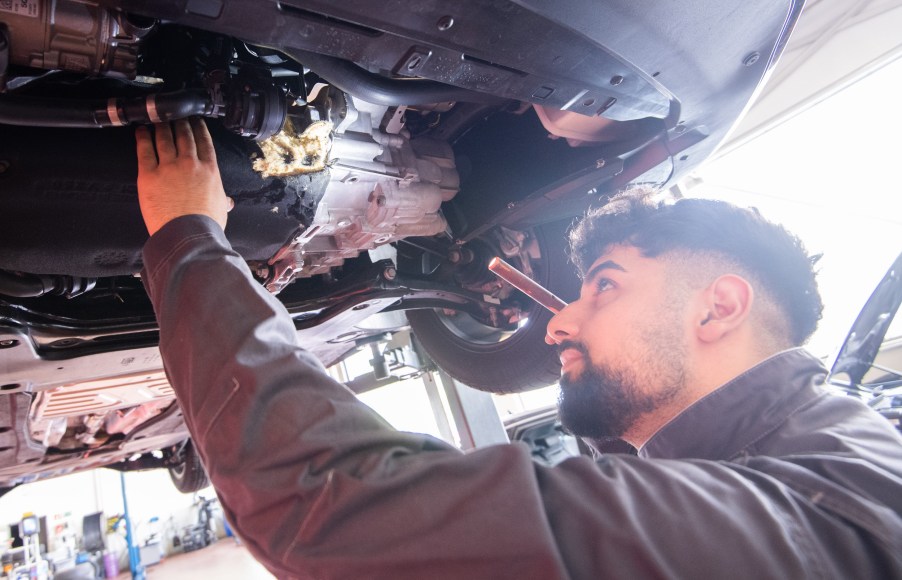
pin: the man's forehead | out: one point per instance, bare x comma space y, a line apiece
617, 257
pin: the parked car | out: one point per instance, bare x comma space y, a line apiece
869, 363
378, 158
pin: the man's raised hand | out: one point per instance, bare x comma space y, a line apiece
179, 176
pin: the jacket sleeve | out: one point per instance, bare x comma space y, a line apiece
320, 486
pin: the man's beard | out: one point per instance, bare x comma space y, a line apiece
603, 402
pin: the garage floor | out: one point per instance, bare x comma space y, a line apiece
224, 560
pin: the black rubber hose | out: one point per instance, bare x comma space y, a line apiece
27, 286
34, 285
379, 90
165, 107
34, 112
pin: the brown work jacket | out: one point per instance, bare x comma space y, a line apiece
767, 477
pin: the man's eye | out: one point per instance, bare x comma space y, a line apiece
603, 284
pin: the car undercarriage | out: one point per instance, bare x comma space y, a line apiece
377, 158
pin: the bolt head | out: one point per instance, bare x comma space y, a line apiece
751, 59
445, 23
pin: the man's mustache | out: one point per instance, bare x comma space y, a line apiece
577, 346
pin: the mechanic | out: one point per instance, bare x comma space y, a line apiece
682, 343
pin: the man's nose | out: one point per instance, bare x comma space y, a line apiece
563, 325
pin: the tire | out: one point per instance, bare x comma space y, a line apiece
189, 476
484, 358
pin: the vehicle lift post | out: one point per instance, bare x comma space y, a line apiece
134, 555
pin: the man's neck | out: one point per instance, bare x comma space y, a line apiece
703, 380
648, 424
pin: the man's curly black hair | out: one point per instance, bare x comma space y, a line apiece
773, 256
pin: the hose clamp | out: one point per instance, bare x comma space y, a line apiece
112, 111
151, 106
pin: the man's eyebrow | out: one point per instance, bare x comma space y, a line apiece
597, 269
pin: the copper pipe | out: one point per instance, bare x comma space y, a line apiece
527, 285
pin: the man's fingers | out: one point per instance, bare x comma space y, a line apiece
165, 145
147, 157
203, 141
231, 204
184, 139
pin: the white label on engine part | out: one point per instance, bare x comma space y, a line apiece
21, 7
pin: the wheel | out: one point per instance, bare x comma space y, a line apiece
502, 360
189, 475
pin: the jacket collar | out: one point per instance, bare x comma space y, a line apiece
726, 421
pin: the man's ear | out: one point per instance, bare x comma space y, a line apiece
727, 302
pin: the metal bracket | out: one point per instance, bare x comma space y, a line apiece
580, 186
